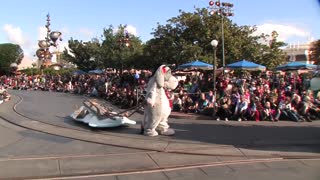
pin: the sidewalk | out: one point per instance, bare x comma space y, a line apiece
181, 115
45, 158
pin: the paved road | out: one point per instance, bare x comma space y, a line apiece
55, 108
219, 150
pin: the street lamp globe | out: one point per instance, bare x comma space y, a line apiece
214, 43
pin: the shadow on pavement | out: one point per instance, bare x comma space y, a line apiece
257, 137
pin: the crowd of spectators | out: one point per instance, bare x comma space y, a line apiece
121, 90
256, 98
4, 95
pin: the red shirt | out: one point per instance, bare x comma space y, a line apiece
169, 98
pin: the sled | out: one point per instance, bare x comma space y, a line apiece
98, 115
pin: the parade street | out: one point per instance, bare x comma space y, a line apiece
38, 140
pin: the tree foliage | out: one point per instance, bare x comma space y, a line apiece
108, 52
9, 53
271, 54
187, 37
83, 54
182, 39
315, 51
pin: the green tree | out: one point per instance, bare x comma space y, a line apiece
9, 53
315, 51
271, 54
187, 37
120, 49
107, 52
83, 54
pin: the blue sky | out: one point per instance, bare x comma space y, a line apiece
23, 21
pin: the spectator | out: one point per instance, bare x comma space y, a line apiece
177, 103
241, 108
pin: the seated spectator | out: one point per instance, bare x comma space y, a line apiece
287, 110
241, 108
317, 99
223, 109
253, 113
188, 105
268, 112
201, 103
177, 104
210, 97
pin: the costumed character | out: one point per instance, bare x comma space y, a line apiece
157, 109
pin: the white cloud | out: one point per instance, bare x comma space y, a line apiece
132, 30
87, 33
14, 35
30, 45
64, 30
42, 33
286, 32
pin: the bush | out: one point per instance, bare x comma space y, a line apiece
31, 71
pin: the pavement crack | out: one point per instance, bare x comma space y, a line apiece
266, 164
165, 149
203, 171
153, 160
59, 166
12, 143
300, 161
242, 153
232, 169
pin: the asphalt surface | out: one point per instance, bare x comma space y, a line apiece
44, 142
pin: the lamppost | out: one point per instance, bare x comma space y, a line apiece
225, 10
124, 41
214, 44
43, 53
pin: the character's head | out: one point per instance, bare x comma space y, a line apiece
165, 79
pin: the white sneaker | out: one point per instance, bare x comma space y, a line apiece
167, 132
226, 119
150, 132
239, 119
218, 119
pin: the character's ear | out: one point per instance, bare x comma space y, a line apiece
160, 76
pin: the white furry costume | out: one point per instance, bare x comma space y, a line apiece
158, 109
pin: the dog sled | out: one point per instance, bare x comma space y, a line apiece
98, 115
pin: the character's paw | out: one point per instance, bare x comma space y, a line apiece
167, 132
149, 132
